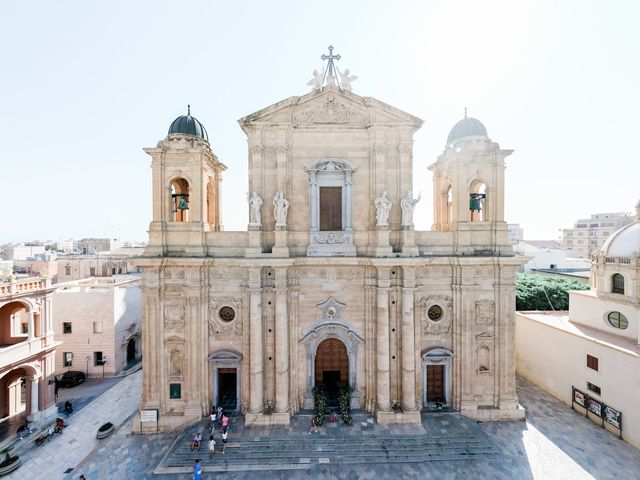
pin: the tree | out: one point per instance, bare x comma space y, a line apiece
538, 292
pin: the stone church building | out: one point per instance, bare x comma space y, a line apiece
330, 284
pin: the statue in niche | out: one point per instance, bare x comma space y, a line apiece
316, 82
383, 207
347, 79
255, 202
175, 363
281, 207
408, 206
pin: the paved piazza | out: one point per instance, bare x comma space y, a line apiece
554, 443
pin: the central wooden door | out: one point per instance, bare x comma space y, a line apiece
332, 367
330, 208
435, 382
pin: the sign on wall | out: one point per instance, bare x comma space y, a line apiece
612, 416
603, 411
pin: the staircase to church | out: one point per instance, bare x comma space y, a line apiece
444, 437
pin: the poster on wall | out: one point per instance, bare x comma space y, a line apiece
595, 407
612, 416
578, 397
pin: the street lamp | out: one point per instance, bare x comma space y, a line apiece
104, 360
86, 359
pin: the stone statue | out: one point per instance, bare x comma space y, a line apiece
255, 202
408, 205
383, 207
280, 209
183, 204
347, 79
316, 82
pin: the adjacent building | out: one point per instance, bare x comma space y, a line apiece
331, 285
589, 234
89, 246
27, 349
595, 346
98, 322
106, 264
516, 233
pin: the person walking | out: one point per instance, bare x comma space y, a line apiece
219, 416
212, 446
225, 435
314, 425
225, 422
197, 470
212, 420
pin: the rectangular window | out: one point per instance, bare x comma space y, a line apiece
592, 362
67, 359
331, 208
92, 271
67, 271
98, 359
24, 328
175, 390
97, 327
66, 327
593, 388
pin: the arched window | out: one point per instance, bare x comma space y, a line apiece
617, 320
180, 200
617, 283
477, 204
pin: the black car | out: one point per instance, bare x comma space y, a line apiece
71, 379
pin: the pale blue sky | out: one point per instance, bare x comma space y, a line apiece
85, 85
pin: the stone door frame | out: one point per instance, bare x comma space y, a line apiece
313, 337
225, 358
437, 356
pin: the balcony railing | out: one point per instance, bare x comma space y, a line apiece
24, 285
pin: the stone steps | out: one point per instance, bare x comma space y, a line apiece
316, 450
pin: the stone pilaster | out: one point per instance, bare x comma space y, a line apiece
282, 341
281, 248
30, 325
383, 403
256, 370
408, 353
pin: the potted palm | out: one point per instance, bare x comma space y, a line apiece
105, 430
10, 462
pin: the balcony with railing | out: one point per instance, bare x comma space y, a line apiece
18, 286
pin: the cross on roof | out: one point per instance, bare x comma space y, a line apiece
331, 69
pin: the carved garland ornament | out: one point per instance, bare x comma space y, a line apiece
225, 318
485, 312
331, 112
174, 315
435, 314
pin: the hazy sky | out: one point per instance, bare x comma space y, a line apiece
85, 85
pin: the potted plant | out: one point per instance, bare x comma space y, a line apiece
9, 462
105, 430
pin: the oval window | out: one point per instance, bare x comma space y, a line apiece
618, 320
435, 312
227, 314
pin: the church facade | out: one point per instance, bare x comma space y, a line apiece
330, 284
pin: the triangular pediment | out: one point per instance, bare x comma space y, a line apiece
329, 107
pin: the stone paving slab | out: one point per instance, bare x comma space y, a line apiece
555, 443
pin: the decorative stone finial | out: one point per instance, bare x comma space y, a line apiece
465, 112
188, 109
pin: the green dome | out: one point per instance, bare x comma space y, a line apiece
189, 125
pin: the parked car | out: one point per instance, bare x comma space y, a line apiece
71, 379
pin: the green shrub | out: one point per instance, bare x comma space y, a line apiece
344, 401
537, 292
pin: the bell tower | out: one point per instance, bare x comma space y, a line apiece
186, 190
469, 189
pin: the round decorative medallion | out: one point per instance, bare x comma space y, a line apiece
227, 314
434, 312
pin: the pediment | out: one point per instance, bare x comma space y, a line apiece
329, 107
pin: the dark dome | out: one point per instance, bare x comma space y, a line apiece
189, 125
466, 127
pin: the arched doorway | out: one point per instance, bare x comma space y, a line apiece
13, 393
332, 368
436, 377
131, 351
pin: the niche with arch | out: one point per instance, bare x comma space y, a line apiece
180, 200
477, 201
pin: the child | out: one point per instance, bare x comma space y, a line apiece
225, 422
212, 446
225, 434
